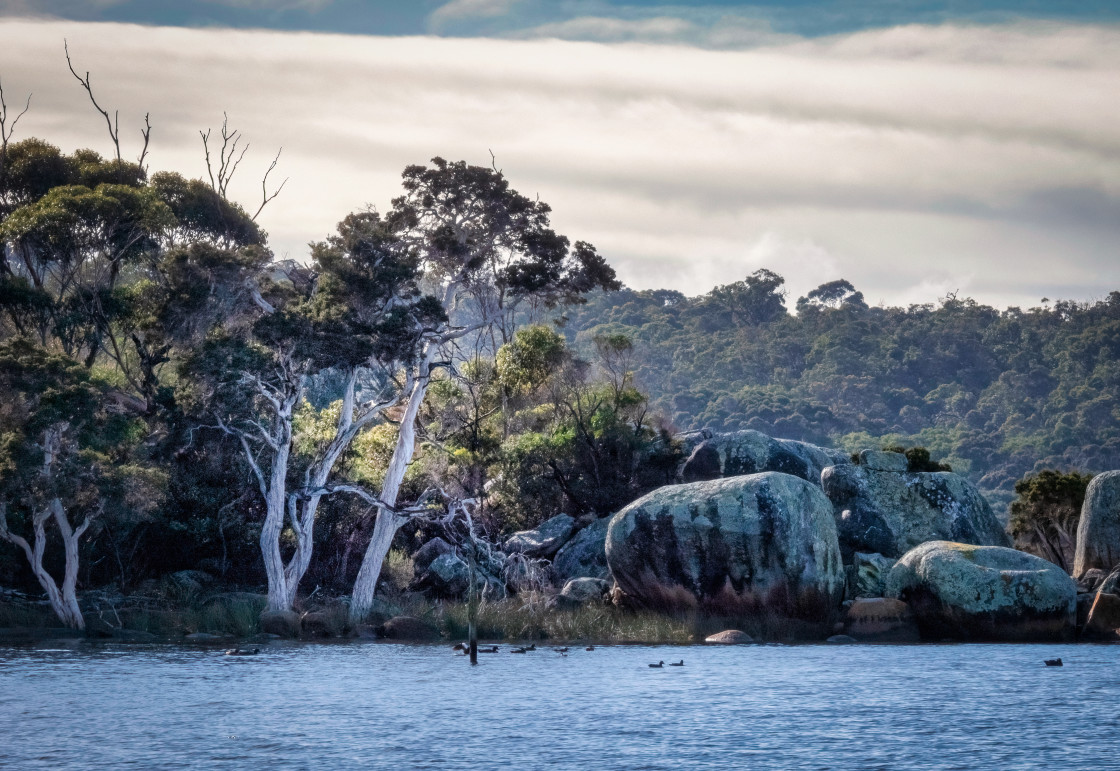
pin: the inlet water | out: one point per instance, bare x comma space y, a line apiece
373, 705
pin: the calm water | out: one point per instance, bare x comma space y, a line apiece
380, 705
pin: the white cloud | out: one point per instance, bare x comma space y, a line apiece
900, 159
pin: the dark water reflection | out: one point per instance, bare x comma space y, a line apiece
379, 705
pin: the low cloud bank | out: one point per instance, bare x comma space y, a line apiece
979, 159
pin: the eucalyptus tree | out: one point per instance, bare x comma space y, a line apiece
354, 317
104, 275
67, 457
490, 256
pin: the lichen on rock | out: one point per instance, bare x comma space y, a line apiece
761, 542
963, 591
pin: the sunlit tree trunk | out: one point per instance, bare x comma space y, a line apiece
387, 523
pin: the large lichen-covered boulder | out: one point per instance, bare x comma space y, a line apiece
585, 555
968, 592
762, 542
544, 540
752, 452
1098, 531
882, 508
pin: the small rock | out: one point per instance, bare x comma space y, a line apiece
841, 639
729, 637
581, 591
408, 628
284, 623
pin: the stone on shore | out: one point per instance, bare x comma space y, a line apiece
1104, 617
729, 637
962, 591
1098, 531
423, 557
748, 544
318, 623
448, 577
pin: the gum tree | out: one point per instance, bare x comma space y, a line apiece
343, 325
491, 258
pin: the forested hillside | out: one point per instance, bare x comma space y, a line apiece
174, 397
996, 393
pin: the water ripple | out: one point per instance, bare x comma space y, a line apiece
381, 705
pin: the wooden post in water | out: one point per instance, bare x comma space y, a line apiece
472, 607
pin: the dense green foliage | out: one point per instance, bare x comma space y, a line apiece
1045, 513
995, 393
154, 355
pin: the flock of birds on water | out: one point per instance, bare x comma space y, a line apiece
464, 649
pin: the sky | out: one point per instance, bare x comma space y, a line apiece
916, 149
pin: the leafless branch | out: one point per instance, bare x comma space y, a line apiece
114, 122
228, 157
145, 132
265, 196
7, 131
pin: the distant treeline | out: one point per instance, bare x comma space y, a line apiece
995, 393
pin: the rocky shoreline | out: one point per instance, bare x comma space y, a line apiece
777, 540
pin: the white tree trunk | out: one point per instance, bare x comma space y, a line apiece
365, 586
302, 506
64, 599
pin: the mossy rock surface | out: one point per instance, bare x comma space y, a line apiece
968, 592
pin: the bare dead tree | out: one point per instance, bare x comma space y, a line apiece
6, 130
228, 159
113, 123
